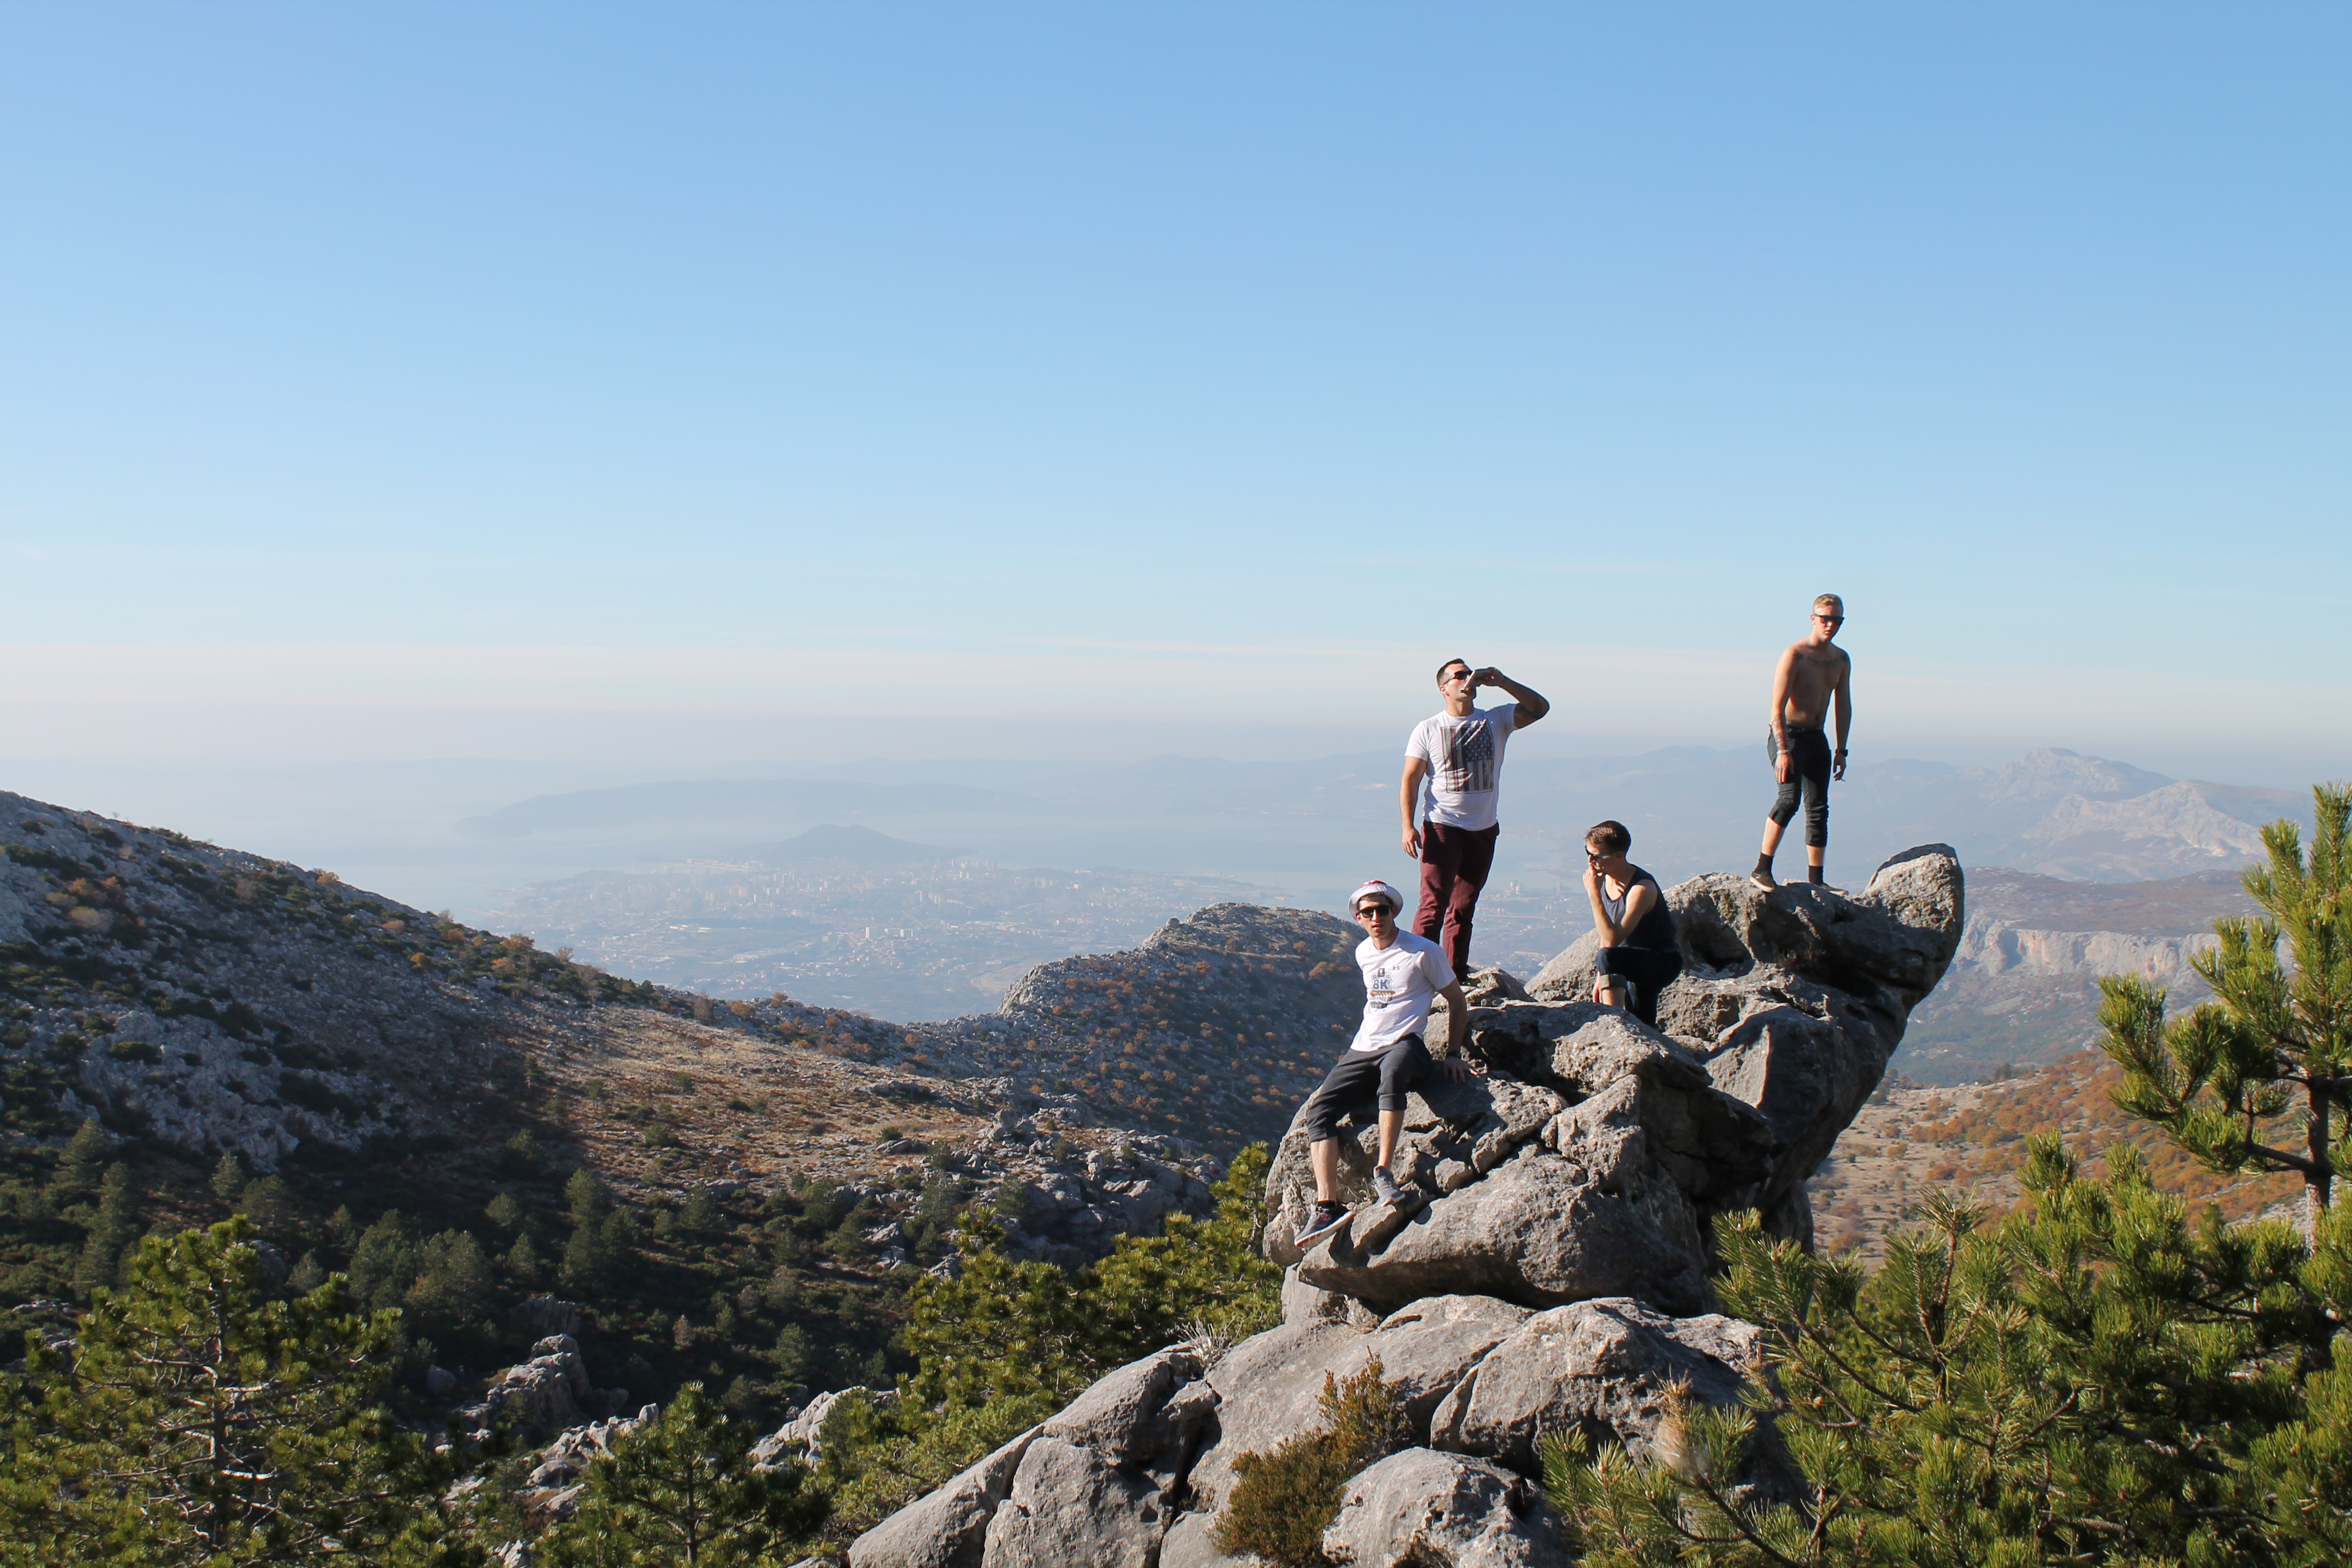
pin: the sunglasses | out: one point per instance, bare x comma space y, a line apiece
1460, 675
1372, 912
1833, 620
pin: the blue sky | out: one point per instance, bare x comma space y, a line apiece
429, 380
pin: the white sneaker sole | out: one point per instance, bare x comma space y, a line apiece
1309, 1237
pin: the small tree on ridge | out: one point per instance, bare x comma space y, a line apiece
2270, 1035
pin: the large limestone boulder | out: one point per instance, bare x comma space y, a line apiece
948, 1527
1604, 1367
1068, 1504
1553, 1278
1270, 1387
1424, 1510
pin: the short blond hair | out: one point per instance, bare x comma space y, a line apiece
1821, 599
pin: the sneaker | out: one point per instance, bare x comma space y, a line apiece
1385, 1185
1327, 1218
1763, 880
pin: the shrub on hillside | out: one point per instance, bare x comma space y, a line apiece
1283, 1499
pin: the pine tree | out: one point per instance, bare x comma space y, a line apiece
521, 1262
2095, 1380
111, 1232
505, 1211
198, 1421
584, 1264
681, 1489
229, 1177
1197, 1274
2270, 1035
451, 1291
384, 1263
78, 1167
269, 1203
585, 1197
791, 1355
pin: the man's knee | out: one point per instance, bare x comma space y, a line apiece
1402, 1068
1784, 805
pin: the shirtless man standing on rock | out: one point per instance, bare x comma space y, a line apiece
1812, 673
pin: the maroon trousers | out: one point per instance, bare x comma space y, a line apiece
1454, 865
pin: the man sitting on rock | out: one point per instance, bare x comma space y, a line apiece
1640, 954
1403, 974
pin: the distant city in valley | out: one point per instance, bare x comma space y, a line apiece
845, 917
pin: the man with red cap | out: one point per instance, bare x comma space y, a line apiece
1404, 975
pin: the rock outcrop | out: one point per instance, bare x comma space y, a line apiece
549, 1393
1554, 1275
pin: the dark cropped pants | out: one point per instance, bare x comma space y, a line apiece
1646, 971
1360, 1075
1808, 757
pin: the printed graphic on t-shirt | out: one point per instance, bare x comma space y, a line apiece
1465, 757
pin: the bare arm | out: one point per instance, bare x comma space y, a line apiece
1844, 712
1409, 797
1532, 705
1780, 674
1637, 905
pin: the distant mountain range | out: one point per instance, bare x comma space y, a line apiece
1691, 808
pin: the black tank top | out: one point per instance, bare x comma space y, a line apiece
1657, 926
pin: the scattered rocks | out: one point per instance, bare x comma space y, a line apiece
553, 1490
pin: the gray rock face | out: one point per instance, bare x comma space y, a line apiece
1603, 1366
1270, 1387
1130, 1416
1067, 1505
948, 1528
1424, 1510
1553, 1275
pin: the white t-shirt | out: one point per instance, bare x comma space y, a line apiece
1466, 763
1401, 980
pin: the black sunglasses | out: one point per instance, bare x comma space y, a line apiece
1372, 912
1833, 620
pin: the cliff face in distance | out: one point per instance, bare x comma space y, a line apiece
2024, 988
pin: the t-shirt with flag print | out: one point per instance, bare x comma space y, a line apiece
1401, 980
1465, 763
